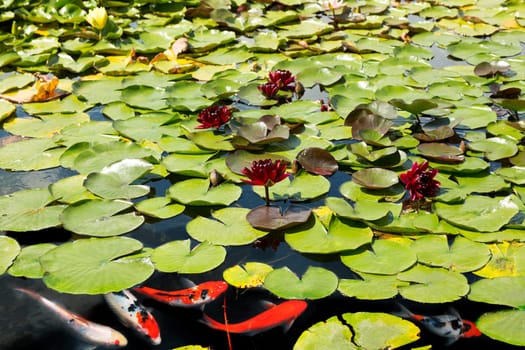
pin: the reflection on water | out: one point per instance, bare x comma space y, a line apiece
12, 181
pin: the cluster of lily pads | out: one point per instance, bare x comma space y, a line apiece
196, 93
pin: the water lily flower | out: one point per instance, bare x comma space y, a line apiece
420, 182
269, 90
214, 117
283, 79
97, 18
265, 173
333, 4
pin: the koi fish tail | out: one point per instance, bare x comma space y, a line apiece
210, 322
406, 313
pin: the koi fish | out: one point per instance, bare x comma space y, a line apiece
190, 297
450, 326
88, 331
283, 314
132, 314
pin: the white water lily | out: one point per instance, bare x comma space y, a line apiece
97, 18
332, 4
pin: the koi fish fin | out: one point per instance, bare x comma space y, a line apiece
454, 312
187, 283
267, 304
404, 312
288, 324
451, 340
29, 292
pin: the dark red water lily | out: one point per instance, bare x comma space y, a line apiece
265, 172
283, 79
420, 182
214, 117
269, 90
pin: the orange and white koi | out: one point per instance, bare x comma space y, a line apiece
88, 331
133, 314
450, 326
190, 297
283, 314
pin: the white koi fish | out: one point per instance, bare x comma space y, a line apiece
88, 331
134, 315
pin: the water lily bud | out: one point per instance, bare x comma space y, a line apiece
97, 18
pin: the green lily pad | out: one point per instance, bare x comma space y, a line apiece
100, 218
241, 159
472, 184
499, 291
337, 235
462, 256
251, 274
479, 213
71, 189
95, 266
326, 335
507, 326
176, 256
27, 263
356, 193
473, 116
31, 154
471, 165
199, 192
377, 330
495, 148
187, 164
211, 140
432, 285
316, 283
386, 257
114, 180
302, 187
362, 210
6, 109
515, 174
370, 287
375, 178
159, 207
44, 126
29, 210
9, 248
508, 259
228, 227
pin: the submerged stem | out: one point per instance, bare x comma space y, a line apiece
267, 195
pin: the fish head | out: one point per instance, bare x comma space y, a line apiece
118, 339
212, 289
469, 329
148, 326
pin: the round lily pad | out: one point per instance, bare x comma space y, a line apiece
159, 207
375, 178
441, 152
507, 259
275, 218
387, 257
251, 274
363, 210
9, 249
371, 287
316, 283
176, 256
515, 174
507, 326
228, 227
199, 192
302, 187
27, 264
100, 218
432, 285
326, 335
95, 266
499, 291
496, 148
377, 330
462, 256
317, 161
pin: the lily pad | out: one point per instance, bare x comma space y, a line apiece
375, 178
432, 285
95, 266
386, 257
100, 218
441, 152
317, 161
362, 210
316, 283
199, 192
462, 256
515, 174
31, 154
27, 263
9, 248
507, 259
507, 326
377, 330
176, 256
499, 291
302, 187
495, 148
370, 287
251, 274
275, 218
228, 227
159, 207
326, 335
479, 213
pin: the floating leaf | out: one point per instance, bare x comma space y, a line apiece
375, 178
229, 227
441, 152
159, 207
363, 209
199, 192
326, 335
251, 274
432, 285
371, 287
95, 266
507, 326
176, 256
376, 330
387, 257
9, 249
276, 218
316, 283
100, 218
317, 161
508, 259
499, 291
495, 148
27, 264
302, 187
31, 154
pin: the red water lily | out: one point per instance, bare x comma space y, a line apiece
269, 90
265, 173
420, 182
214, 117
283, 79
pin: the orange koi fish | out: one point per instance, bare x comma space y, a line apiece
88, 331
134, 315
283, 314
190, 297
450, 326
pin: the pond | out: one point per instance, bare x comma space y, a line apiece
141, 141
